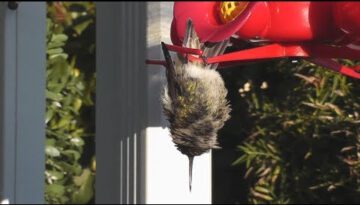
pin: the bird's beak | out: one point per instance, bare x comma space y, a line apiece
167, 56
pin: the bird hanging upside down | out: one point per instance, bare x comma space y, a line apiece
194, 99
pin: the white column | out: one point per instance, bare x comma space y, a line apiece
167, 171
120, 101
136, 159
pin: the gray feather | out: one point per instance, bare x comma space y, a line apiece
215, 49
191, 40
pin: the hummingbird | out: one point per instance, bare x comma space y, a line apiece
194, 99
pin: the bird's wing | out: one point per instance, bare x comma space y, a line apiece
173, 86
191, 40
214, 49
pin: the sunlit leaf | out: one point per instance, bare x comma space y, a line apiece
52, 151
85, 193
55, 190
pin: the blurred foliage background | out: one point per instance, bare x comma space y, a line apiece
70, 94
293, 138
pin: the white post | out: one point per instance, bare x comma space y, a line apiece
120, 101
167, 170
136, 159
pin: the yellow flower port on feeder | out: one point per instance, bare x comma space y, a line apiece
229, 10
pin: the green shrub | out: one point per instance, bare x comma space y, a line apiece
303, 145
70, 87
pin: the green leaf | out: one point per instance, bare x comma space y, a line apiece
59, 55
80, 86
67, 167
72, 153
55, 51
261, 196
82, 26
53, 96
55, 190
53, 45
77, 104
59, 37
49, 115
86, 191
55, 175
52, 151
263, 190
50, 142
77, 141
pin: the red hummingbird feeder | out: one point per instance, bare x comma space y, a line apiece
315, 31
